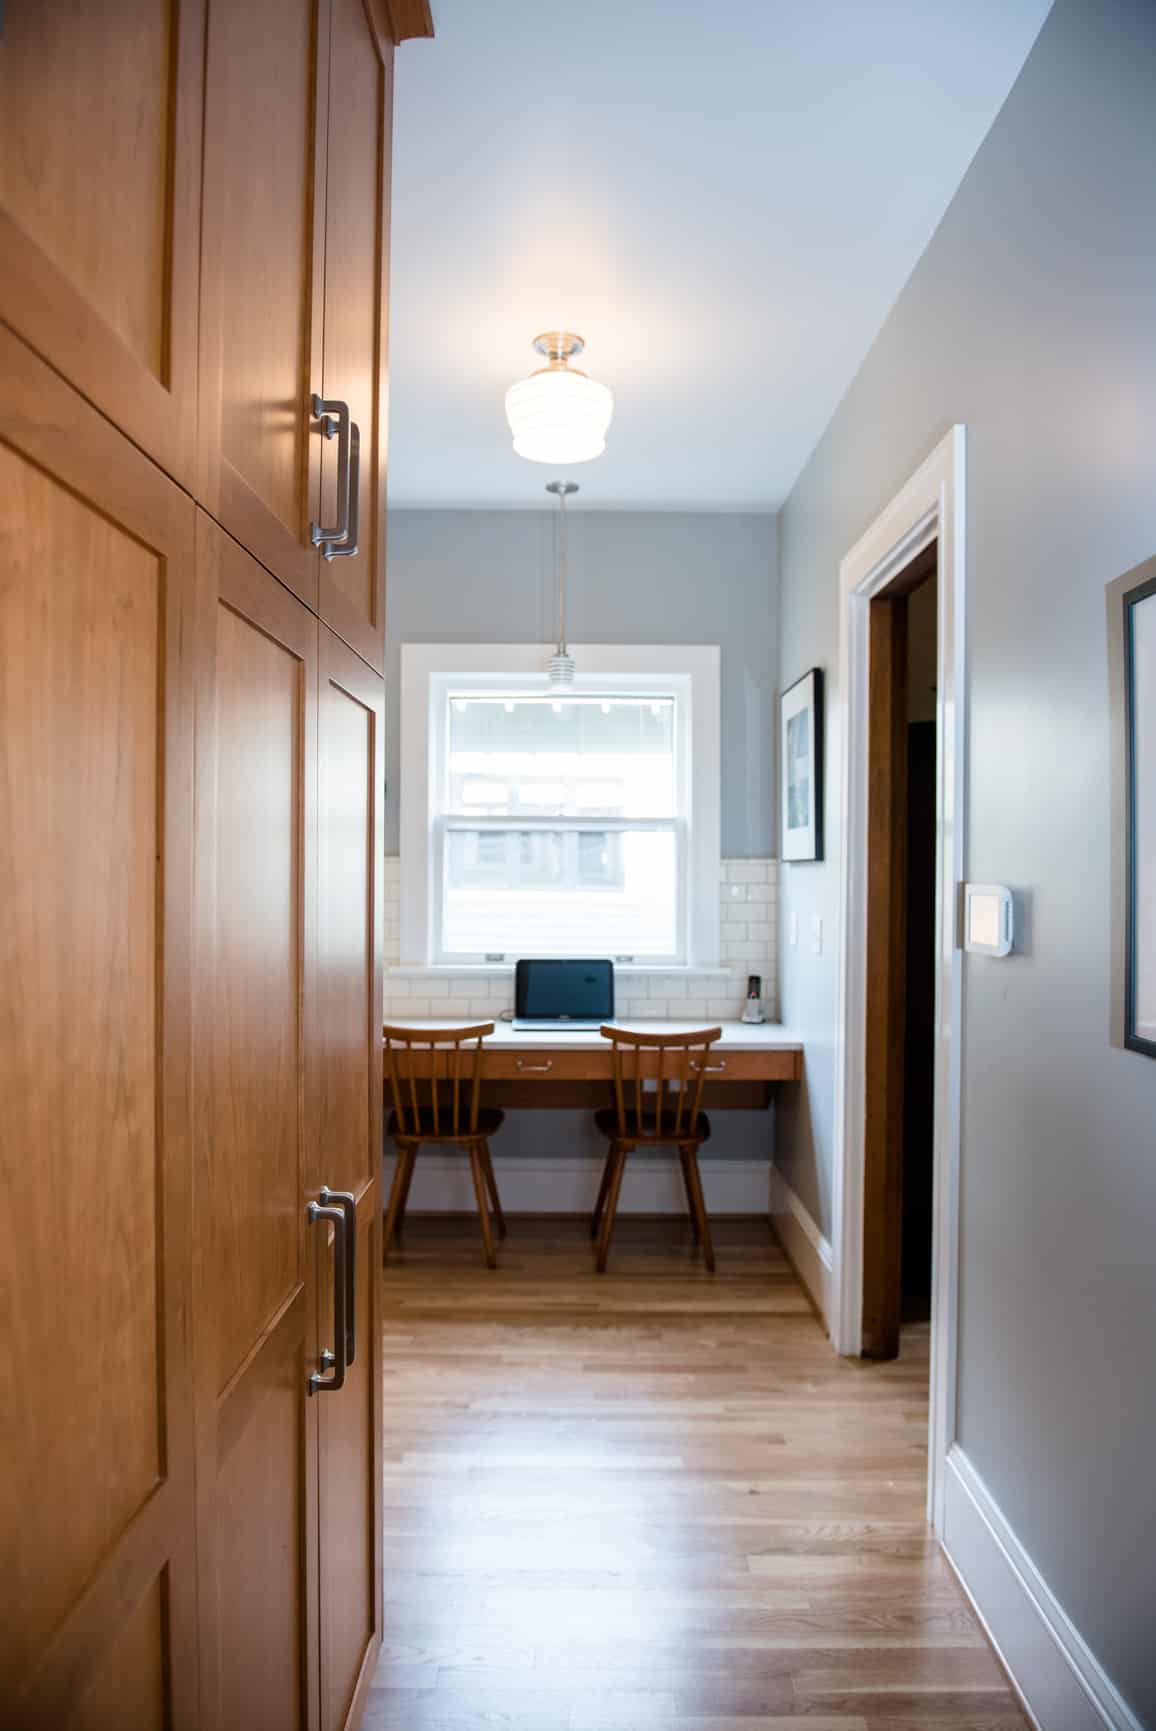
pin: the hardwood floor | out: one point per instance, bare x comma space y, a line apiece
655, 1499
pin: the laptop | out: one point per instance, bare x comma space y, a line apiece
562, 996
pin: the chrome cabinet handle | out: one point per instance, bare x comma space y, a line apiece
344, 547
710, 1069
335, 424
334, 1361
347, 1202
533, 1069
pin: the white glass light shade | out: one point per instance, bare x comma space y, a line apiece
558, 416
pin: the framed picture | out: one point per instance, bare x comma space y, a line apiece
801, 768
1140, 784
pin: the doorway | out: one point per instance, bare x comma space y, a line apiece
899, 1122
922, 528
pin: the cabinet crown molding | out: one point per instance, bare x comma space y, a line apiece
409, 18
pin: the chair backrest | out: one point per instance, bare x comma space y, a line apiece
669, 1060
421, 1059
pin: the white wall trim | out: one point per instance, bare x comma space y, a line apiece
807, 1250
1061, 1683
930, 506
602, 667
442, 1185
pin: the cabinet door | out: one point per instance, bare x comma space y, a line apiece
96, 816
347, 1092
356, 294
100, 141
255, 1324
262, 273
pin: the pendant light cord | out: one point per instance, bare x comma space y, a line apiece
562, 538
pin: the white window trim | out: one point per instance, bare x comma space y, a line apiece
428, 669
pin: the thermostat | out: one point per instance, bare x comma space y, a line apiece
988, 923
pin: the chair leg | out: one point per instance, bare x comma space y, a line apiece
402, 1173
478, 1169
403, 1203
492, 1187
603, 1189
689, 1196
695, 1181
611, 1208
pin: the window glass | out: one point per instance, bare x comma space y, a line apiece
561, 756
561, 892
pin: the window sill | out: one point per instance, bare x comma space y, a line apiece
505, 970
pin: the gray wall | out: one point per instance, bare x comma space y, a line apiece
1031, 318
635, 577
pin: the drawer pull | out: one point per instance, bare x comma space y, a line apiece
337, 1360
533, 1069
333, 415
711, 1069
346, 547
347, 1202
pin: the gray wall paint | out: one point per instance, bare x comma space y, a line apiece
1031, 318
635, 577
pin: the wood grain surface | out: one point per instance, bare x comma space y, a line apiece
655, 1499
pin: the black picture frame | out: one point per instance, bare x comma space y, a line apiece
802, 843
1140, 873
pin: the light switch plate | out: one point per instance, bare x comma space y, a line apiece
988, 919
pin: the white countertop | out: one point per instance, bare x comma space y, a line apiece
736, 1036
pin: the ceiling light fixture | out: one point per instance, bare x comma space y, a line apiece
558, 415
561, 669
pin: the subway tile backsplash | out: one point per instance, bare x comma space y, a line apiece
748, 892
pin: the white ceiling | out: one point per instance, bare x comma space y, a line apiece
724, 201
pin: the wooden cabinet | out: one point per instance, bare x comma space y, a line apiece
356, 285
96, 1517
346, 1092
294, 282
191, 857
254, 1248
262, 277
287, 1051
100, 152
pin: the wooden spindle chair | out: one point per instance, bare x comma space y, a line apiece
668, 1114
435, 1080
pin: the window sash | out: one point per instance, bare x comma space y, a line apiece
443, 824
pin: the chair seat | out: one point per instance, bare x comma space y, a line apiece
606, 1119
490, 1120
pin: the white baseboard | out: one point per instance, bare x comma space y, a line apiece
442, 1185
809, 1252
1063, 1686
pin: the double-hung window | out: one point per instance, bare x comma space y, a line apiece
569, 821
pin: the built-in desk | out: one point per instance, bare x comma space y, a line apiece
564, 1069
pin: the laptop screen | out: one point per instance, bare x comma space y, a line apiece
562, 990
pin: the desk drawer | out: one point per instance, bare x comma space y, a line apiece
538, 1063
541, 1064
547, 1063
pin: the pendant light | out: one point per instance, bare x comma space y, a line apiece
561, 669
558, 415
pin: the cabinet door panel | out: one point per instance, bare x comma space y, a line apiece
95, 871
129, 1686
254, 918
262, 277
347, 1091
99, 205
356, 296
350, 1501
